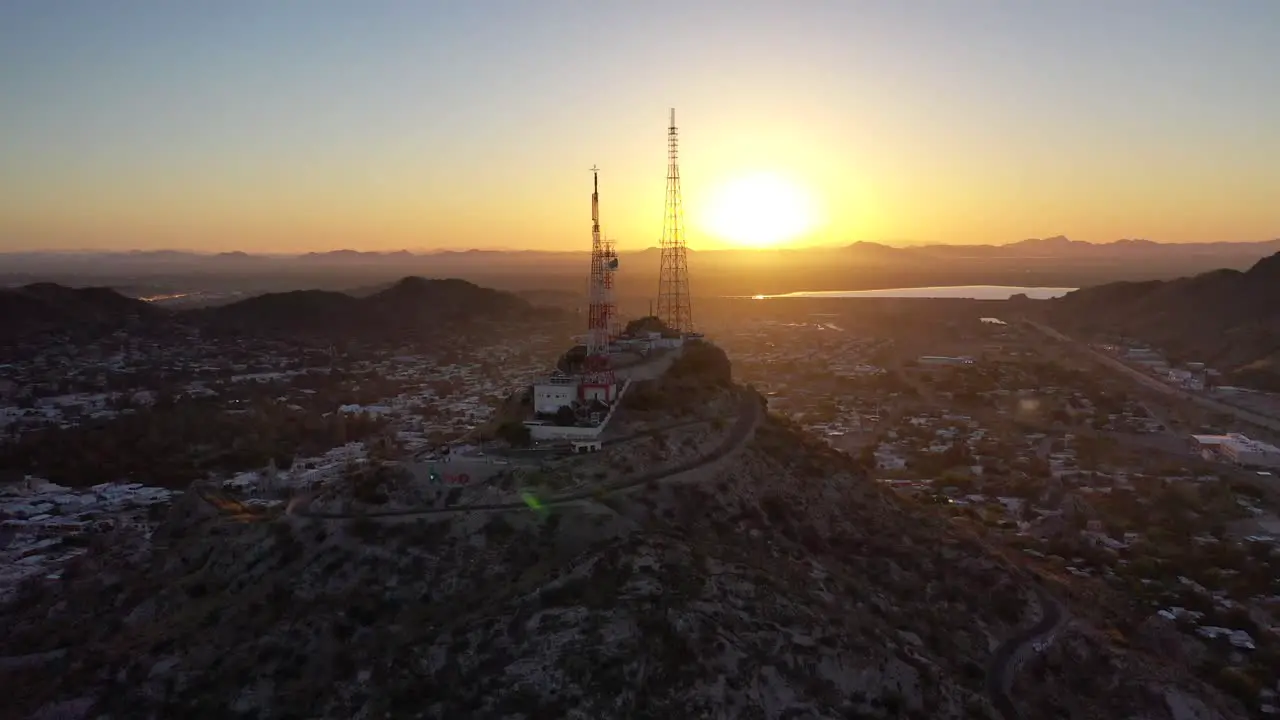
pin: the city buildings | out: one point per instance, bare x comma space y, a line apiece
1238, 449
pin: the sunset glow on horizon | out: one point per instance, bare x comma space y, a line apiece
759, 210
279, 127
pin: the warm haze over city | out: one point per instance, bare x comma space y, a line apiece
294, 127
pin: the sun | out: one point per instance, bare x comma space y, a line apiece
760, 210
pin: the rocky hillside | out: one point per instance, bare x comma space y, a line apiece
1227, 318
780, 583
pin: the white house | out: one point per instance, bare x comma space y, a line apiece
553, 393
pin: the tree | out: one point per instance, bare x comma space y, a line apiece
958, 477
867, 458
515, 433
565, 416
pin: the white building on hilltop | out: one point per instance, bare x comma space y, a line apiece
595, 403
555, 392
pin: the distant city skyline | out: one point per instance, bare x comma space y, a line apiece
290, 128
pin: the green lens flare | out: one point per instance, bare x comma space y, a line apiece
533, 502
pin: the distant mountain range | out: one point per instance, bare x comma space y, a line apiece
1052, 262
1226, 318
405, 310
489, 260
1062, 247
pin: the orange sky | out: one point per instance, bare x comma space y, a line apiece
274, 127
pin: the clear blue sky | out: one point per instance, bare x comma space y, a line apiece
320, 124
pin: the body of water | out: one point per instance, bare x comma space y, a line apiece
966, 292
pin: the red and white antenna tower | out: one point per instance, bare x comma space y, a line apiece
610, 269
598, 371
673, 273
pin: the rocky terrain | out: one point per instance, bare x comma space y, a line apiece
781, 583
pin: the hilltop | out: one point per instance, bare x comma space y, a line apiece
775, 581
1226, 318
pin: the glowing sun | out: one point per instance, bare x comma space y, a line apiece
760, 210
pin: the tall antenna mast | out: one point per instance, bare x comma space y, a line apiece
673, 273
598, 371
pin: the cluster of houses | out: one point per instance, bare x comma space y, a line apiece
41, 521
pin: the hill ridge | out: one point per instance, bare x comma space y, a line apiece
409, 307
405, 309
1227, 318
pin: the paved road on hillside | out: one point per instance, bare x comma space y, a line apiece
651, 432
749, 414
1160, 387
1009, 656
518, 455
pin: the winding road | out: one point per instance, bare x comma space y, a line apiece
1013, 652
750, 412
1004, 664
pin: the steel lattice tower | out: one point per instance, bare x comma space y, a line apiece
601, 312
673, 273
610, 251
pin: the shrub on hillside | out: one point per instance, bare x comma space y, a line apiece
705, 362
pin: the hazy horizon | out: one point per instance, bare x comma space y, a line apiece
285, 129
584, 249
